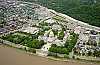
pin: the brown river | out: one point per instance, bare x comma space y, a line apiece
13, 56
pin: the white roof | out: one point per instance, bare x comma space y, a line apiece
50, 21
46, 47
30, 30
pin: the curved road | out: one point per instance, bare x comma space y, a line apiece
12, 56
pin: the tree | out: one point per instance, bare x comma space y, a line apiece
55, 32
58, 49
61, 35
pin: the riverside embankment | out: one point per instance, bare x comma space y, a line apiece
13, 56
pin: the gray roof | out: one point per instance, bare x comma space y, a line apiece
2, 30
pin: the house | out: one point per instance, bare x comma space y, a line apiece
50, 21
59, 42
31, 30
77, 30
95, 38
2, 30
51, 34
84, 37
67, 35
56, 27
46, 47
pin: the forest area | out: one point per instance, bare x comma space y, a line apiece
87, 11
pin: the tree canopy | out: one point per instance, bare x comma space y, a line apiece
87, 11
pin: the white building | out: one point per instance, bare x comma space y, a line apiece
77, 30
46, 47
31, 30
50, 21
59, 42
84, 37
56, 27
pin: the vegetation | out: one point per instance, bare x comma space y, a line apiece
69, 45
58, 49
71, 42
59, 18
96, 53
88, 14
35, 44
55, 32
99, 42
26, 40
84, 10
61, 35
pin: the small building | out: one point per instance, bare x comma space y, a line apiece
46, 47
51, 34
95, 38
59, 42
31, 30
50, 21
77, 30
56, 27
2, 30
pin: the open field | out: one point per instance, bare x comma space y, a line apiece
12, 56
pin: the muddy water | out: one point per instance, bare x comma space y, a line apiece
12, 56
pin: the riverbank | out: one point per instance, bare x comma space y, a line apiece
13, 56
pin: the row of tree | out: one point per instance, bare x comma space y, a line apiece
27, 40
58, 49
68, 46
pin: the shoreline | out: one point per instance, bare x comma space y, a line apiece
76, 21
85, 25
68, 17
86, 62
13, 45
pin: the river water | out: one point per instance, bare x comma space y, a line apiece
12, 56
